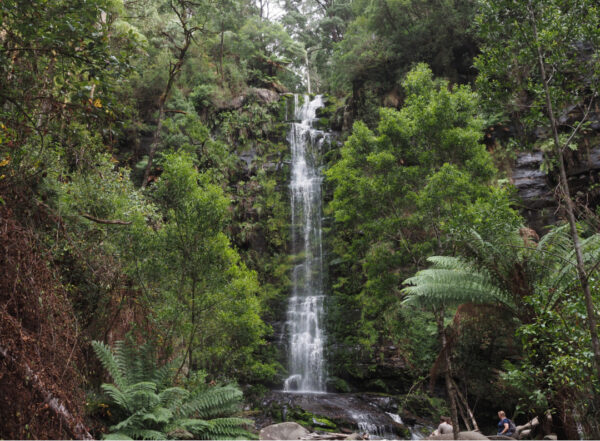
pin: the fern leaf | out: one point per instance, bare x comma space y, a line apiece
130, 423
213, 402
192, 424
142, 395
117, 396
227, 428
158, 416
147, 434
124, 355
109, 363
163, 376
173, 397
452, 281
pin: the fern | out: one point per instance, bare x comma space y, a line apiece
109, 363
501, 273
213, 402
154, 409
452, 281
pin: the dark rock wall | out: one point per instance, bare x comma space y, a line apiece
537, 188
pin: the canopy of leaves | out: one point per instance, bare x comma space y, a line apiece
391, 198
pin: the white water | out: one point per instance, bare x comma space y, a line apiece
305, 308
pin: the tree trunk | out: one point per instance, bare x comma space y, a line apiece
174, 70
462, 399
570, 206
221, 54
447, 376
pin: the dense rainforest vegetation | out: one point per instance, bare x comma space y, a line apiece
145, 210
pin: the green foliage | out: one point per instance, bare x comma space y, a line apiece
389, 200
509, 71
452, 281
58, 58
194, 281
500, 269
557, 361
149, 407
385, 38
535, 281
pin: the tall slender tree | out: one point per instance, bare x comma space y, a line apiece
192, 17
547, 51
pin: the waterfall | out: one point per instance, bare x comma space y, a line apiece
305, 308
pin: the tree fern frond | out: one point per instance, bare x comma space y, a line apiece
226, 428
163, 376
109, 363
142, 386
117, 396
142, 395
173, 396
449, 262
451, 281
191, 424
212, 402
557, 238
437, 294
123, 354
147, 434
155, 410
158, 415
132, 422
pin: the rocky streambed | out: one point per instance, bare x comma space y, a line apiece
371, 414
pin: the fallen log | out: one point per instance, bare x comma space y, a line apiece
76, 428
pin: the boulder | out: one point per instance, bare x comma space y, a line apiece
266, 96
237, 102
287, 430
461, 435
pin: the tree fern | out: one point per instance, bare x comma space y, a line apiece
152, 408
452, 281
501, 273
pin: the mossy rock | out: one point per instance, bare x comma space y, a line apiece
311, 421
339, 385
324, 423
323, 123
377, 385
424, 406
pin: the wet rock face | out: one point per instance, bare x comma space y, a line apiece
534, 188
537, 188
362, 413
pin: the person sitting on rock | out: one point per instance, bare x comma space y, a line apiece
444, 427
505, 426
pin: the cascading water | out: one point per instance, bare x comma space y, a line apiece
305, 308
305, 386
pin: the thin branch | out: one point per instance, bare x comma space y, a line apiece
105, 221
585, 117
